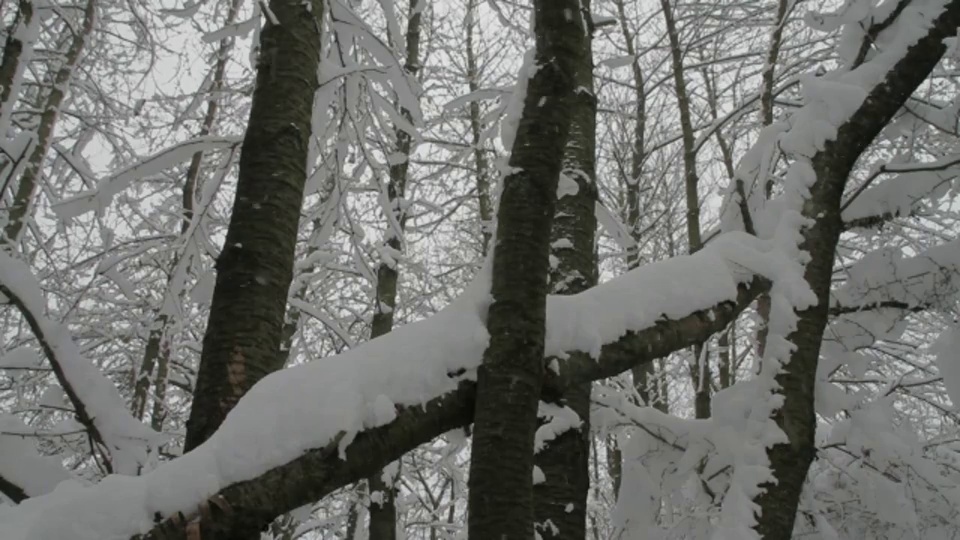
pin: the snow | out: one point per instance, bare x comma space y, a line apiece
20, 463
100, 197
21, 358
127, 439
514, 110
307, 406
903, 194
829, 101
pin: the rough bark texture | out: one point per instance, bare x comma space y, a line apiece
560, 501
321, 471
832, 165
509, 380
383, 490
255, 268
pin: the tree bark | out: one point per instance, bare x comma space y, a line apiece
510, 378
791, 461
484, 202
383, 489
255, 268
700, 366
560, 501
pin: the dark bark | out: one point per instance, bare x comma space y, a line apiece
832, 165
509, 380
255, 268
560, 502
321, 471
12, 491
383, 489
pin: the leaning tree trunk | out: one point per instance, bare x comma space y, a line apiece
510, 377
832, 165
383, 490
33, 169
255, 268
560, 501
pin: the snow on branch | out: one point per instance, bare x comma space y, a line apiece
96, 402
887, 279
100, 197
23, 472
302, 432
901, 195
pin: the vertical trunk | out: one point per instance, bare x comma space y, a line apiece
700, 368
480, 160
255, 268
510, 377
766, 118
33, 170
383, 490
560, 501
642, 374
157, 351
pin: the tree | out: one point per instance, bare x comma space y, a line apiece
304, 432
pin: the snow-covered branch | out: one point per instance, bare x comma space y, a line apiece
95, 400
303, 432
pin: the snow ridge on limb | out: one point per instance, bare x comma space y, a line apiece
96, 401
25, 473
303, 432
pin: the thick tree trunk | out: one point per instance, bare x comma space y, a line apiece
510, 378
255, 268
790, 462
383, 490
560, 501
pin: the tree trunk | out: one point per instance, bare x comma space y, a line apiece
255, 268
832, 165
480, 160
383, 490
510, 378
700, 367
560, 501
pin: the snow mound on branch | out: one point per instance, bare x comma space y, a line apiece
306, 407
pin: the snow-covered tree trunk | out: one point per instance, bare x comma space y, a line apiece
832, 166
560, 499
33, 170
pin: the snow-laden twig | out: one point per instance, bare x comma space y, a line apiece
96, 401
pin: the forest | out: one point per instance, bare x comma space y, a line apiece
489, 269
